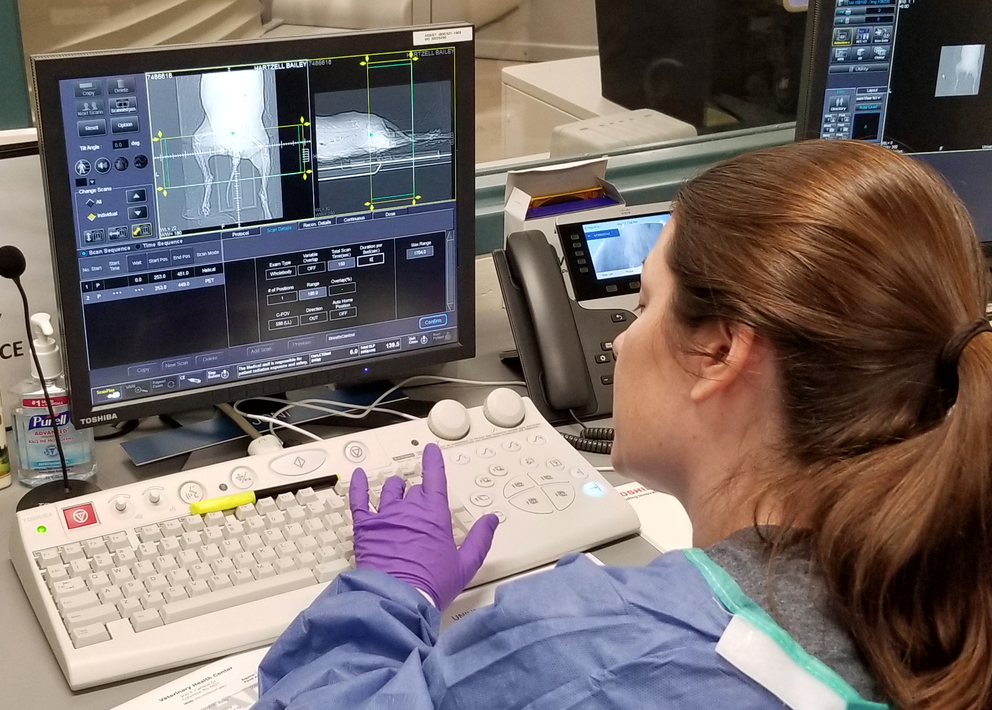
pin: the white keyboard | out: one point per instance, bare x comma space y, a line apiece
126, 582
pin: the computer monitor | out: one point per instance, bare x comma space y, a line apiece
716, 64
245, 218
912, 75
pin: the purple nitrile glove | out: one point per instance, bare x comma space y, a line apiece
410, 537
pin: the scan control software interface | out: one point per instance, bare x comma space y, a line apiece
913, 75
237, 222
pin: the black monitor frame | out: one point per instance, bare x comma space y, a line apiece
814, 85
50, 69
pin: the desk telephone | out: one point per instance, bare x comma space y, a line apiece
566, 351
566, 346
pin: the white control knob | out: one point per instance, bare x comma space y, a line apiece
504, 408
120, 504
449, 420
154, 497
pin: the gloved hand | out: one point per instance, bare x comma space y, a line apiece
410, 537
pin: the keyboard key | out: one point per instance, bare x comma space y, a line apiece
125, 557
244, 560
285, 500
272, 537
201, 571
178, 578
326, 571
293, 531
78, 602
110, 595
149, 533
187, 558
118, 540
209, 553
264, 555
72, 551
89, 635
327, 554
265, 506
313, 526
252, 542
346, 548
233, 529
165, 564
263, 570
243, 512
306, 559
307, 544
315, 509
255, 525
333, 521
241, 576
218, 582
128, 606
58, 573
144, 620
230, 547
119, 575
94, 546
152, 600
284, 565
170, 545
214, 519
133, 589
104, 562
191, 540
306, 495
296, 514
147, 551
174, 594
97, 580
222, 566
240, 594
48, 558
275, 520
213, 535
173, 528
143, 570
68, 587
344, 534
157, 583
192, 523
79, 568
327, 539
285, 549
197, 588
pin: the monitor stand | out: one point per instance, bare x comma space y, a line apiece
220, 429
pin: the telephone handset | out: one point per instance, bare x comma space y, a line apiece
566, 351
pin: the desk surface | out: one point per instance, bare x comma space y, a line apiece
29, 674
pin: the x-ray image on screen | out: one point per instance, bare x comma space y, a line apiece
619, 248
215, 142
383, 134
960, 70
939, 98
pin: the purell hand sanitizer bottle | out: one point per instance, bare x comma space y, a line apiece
37, 454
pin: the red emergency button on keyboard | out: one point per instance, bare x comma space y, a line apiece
79, 516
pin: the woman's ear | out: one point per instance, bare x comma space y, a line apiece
726, 351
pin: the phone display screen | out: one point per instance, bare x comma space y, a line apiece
604, 257
618, 248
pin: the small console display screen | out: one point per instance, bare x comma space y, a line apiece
618, 248
604, 257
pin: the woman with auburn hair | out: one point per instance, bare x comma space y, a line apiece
811, 376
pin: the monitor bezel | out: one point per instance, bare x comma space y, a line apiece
49, 69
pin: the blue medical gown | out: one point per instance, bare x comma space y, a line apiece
578, 636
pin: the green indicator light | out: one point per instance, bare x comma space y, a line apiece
42, 529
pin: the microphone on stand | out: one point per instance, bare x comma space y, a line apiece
12, 265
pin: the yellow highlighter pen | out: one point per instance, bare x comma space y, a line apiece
212, 505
